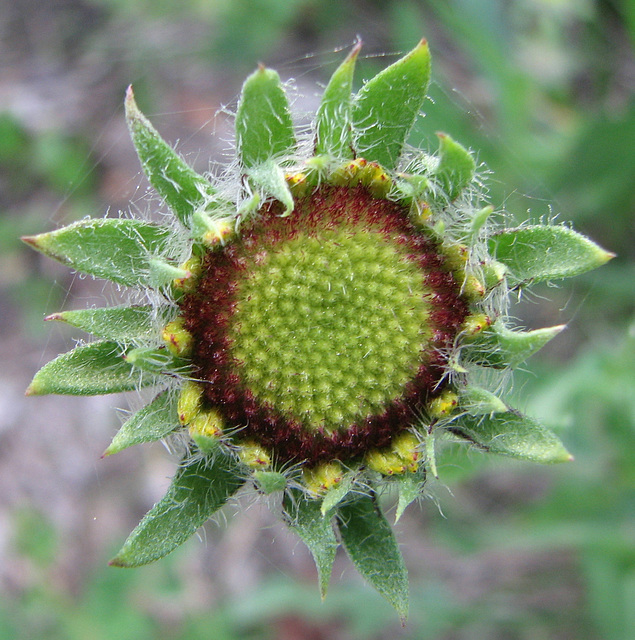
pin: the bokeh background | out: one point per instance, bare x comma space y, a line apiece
543, 91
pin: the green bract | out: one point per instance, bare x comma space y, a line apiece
317, 334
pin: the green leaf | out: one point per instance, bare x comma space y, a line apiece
269, 177
110, 248
155, 421
88, 370
500, 347
479, 402
546, 252
264, 130
304, 517
197, 491
456, 167
333, 126
370, 544
386, 107
181, 187
410, 487
512, 434
113, 323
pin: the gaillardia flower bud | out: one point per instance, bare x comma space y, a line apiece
316, 325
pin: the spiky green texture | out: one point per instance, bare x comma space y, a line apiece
325, 329
371, 545
197, 491
183, 189
116, 249
385, 109
537, 253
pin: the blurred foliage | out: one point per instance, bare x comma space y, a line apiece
543, 91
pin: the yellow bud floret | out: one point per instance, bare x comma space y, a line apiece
254, 456
323, 477
473, 288
402, 456
218, 232
189, 403
348, 174
456, 256
406, 446
177, 339
205, 429
208, 423
375, 179
192, 267
475, 323
385, 462
443, 405
298, 184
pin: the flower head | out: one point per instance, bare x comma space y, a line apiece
315, 332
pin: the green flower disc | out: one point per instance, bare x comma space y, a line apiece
331, 327
320, 334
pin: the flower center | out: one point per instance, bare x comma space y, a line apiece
330, 326
322, 333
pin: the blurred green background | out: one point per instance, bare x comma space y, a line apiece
542, 90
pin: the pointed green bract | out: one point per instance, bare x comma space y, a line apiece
111, 248
337, 493
181, 187
500, 347
546, 252
333, 126
88, 370
270, 481
112, 323
162, 273
479, 218
157, 361
385, 109
456, 167
370, 544
264, 129
304, 518
411, 487
269, 177
155, 421
197, 491
512, 434
479, 402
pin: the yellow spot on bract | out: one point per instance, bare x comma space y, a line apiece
189, 403
476, 323
254, 455
177, 338
323, 477
443, 405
